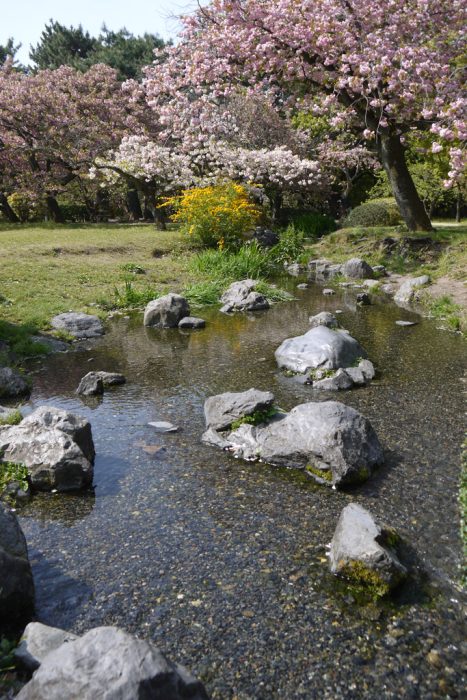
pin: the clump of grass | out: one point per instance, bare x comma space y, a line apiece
445, 309
256, 418
272, 293
133, 268
7, 658
20, 343
130, 298
204, 293
250, 261
9, 472
13, 418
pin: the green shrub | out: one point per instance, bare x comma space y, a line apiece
376, 212
290, 246
27, 206
74, 212
313, 224
10, 472
13, 418
217, 216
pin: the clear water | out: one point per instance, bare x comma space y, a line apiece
222, 563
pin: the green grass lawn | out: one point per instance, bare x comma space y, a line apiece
45, 270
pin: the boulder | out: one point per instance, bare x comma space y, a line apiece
265, 237
91, 385
192, 322
16, 583
319, 347
363, 551
222, 410
78, 325
12, 383
166, 312
367, 369
94, 383
356, 268
37, 641
109, 663
324, 318
77, 427
334, 443
371, 284
241, 296
407, 290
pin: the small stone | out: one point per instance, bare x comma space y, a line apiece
328, 292
192, 322
303, 285
163, 426
434, 659
406, 323
324, 318
363, 299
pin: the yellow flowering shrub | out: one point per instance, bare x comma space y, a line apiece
219, 215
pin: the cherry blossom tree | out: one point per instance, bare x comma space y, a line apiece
389, 67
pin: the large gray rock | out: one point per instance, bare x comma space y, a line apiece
94, 383
77, 427
166, 312
54, 445
222, 410
12, 383
78, 325
109, 664
407, 290
363, 551
356, 268
37, 641
192, 322
324, 318
319, 347
334, 443
16, 583
241, 296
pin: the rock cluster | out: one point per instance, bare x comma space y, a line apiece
54, 445
166, 312
241, 296
334, 443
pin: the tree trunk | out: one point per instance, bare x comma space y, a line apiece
276, 206
392, 154
7, 210
133, 204
54, 209
458, 205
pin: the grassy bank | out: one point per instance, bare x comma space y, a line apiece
50, 269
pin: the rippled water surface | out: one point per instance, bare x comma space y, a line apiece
222, 563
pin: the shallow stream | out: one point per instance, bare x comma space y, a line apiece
222, 563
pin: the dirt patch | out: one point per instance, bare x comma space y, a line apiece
444, 286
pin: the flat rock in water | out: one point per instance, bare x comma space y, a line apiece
319, 347
163, 426
166, 312
328, 292
52, 344
222, 410
78, 325
90, 385
192, 322
16, 583
406, 323
361, 551
109, 663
